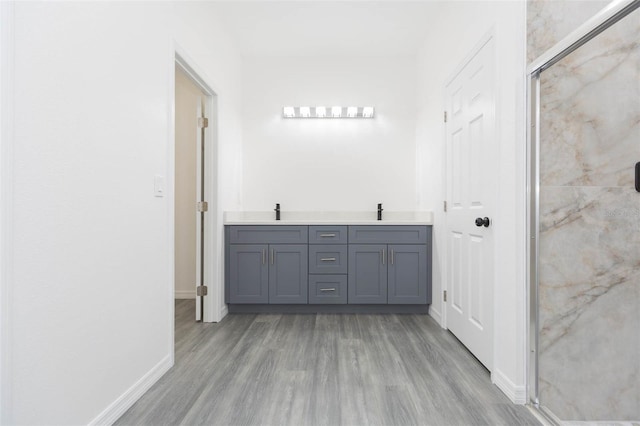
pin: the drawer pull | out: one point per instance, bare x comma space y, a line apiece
328, 289
328, 259
327, 235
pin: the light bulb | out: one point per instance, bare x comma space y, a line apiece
288, 112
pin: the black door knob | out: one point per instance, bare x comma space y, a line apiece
483, 221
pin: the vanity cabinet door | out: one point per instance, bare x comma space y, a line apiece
288, 273
248, 273
367, 274
407, 273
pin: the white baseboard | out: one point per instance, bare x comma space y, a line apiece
224, 311
436, 315
185, 294
517, 394
118, 407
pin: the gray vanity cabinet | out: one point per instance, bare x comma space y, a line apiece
387, 267
328, 256
367, 274
288, 273
248, 273
390, 272
407, 274
267, 264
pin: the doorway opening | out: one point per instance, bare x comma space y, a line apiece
194, 174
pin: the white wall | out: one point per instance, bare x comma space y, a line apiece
6, 75
329, 165
91, 284
452, 38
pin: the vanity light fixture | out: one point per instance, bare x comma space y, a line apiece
324, 112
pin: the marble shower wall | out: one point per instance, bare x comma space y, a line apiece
549, 21
589, 331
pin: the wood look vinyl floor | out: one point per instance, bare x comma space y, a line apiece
329, 369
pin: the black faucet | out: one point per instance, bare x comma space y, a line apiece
277, 210
380, 211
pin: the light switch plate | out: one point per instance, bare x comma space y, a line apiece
158, 186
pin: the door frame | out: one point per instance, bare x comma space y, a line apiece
612, 13
489, 35
213, 311
6, 203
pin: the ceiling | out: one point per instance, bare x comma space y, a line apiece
327, 28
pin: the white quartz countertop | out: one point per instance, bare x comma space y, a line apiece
328, 218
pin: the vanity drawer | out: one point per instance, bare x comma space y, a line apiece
328, 259
267, 234
388, 234
327, 289
327, 234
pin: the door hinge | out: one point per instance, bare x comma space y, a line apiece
444, 294
445, 116
202, 206
203, 122
445, 206
201, 290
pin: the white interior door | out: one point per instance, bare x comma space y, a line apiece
472, 150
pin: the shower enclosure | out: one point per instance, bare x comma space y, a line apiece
585, 225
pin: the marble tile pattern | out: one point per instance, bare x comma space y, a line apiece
549, 21
589, 263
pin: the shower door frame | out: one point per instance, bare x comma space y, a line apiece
611, 14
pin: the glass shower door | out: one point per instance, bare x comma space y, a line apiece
589, 229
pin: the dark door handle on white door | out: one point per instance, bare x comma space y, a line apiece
483, 222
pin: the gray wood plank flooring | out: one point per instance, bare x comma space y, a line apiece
333, 369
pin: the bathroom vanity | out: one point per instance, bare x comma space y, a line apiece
354, 266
